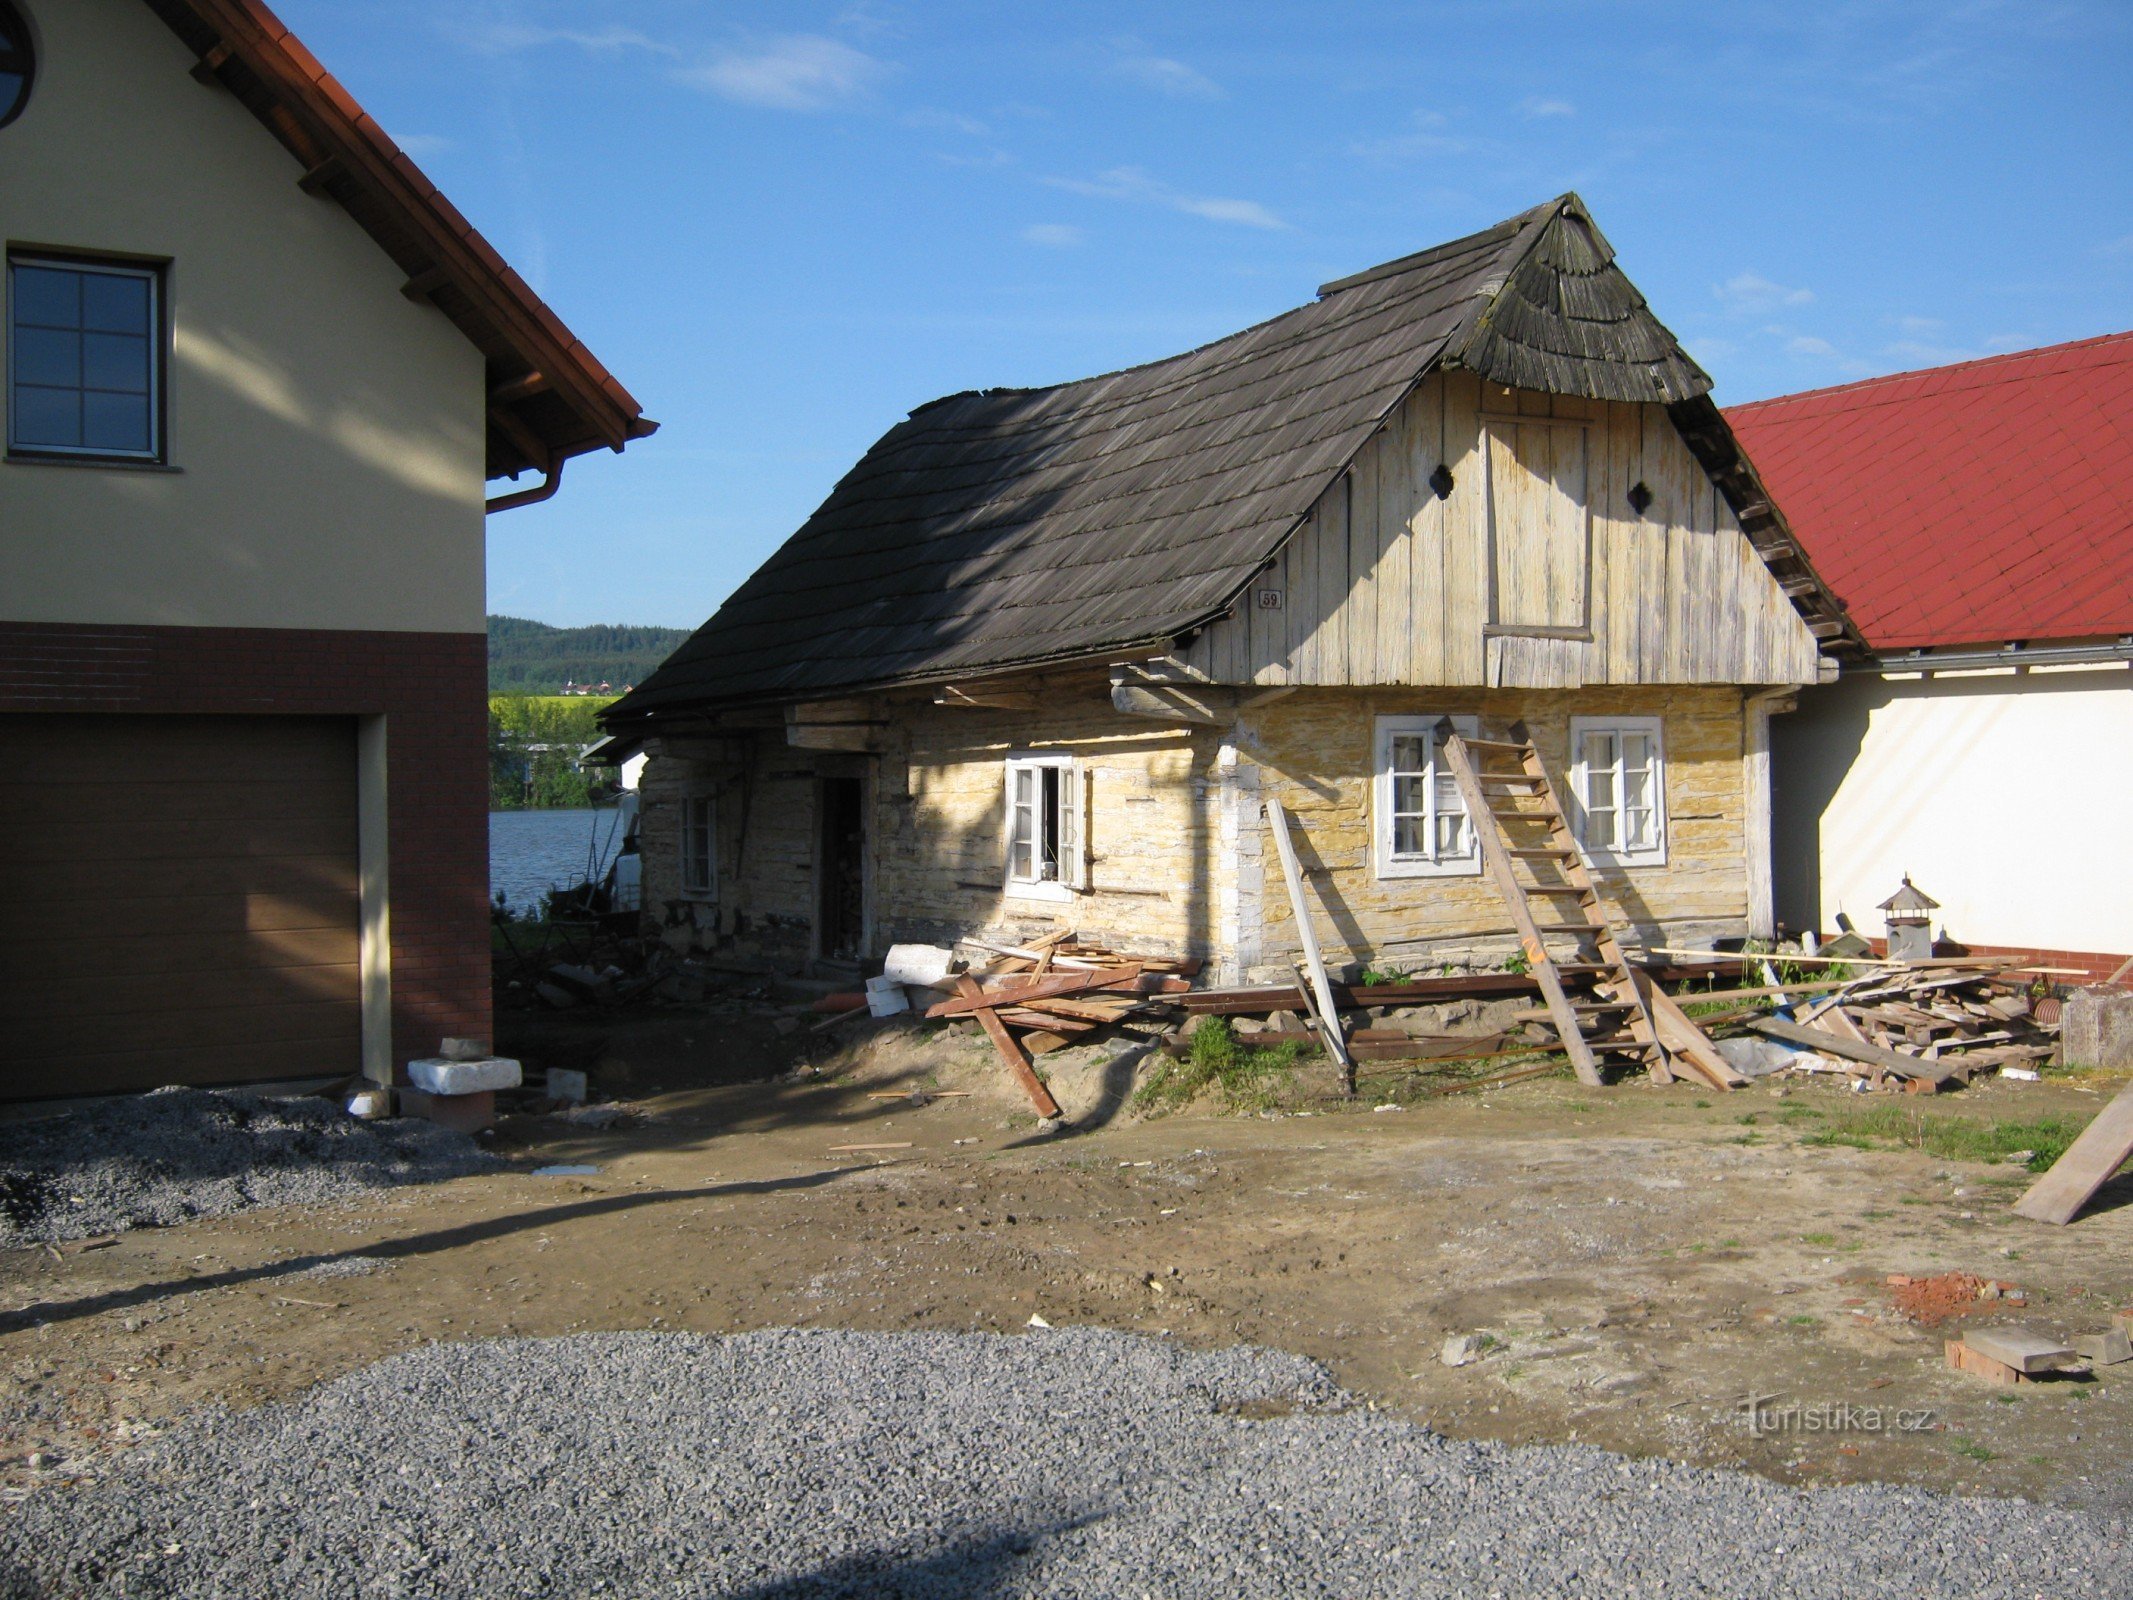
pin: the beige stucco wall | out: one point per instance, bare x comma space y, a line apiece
2003, 797
327, 432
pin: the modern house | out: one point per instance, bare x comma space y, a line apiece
1976, 521
1042, 655
258, 372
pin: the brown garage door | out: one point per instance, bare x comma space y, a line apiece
178, 902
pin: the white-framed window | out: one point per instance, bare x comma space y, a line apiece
85, 359
1047, 852
1419, 824
699, 846
1618, 790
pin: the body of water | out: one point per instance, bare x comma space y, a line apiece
531, 852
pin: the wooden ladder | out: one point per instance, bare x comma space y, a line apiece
1518, 820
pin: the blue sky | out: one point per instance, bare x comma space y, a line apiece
786, 225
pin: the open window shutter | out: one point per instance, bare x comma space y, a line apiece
1074, 826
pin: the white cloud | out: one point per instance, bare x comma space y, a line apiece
2121, 248
1535, 106
506, 38
1919, 353
1131, 183
1751, 291
1423, 138
1806, 344
799, 72
1054, 235
945, 121
1920, 324
419, 145
1166, 76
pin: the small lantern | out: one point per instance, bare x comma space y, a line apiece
1910, 915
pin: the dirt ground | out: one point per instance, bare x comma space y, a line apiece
1640, 1261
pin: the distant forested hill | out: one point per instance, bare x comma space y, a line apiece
533, 658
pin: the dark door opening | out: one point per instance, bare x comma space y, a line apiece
841, 877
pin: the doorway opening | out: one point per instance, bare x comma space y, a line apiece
840, 921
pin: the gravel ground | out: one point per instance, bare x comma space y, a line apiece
156, 1159
1063, 1462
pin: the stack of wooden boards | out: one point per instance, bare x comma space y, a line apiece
1921, 1027
1031, 999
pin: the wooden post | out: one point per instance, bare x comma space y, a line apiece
1277, 821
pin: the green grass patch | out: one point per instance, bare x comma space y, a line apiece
1818, 1238
1951, 1138
1249, 1080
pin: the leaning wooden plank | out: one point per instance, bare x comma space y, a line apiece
1009, 1051
1872, 1054
1684, 1041
1019, 990
1277, 821
2104, 1147
1084, 1010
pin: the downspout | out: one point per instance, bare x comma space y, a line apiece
543, 490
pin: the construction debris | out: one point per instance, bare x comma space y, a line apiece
1056, 991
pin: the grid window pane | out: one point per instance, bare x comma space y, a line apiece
114, 361
1410, 835
82, 359
47, 298
49, 357
47, 417
114, 421
113, 304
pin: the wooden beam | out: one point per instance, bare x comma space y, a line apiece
979, 697
1010, 1052
1851, 1050
518, 388
425, 283
1277, 821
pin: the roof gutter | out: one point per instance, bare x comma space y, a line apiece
543, 490
1925, 663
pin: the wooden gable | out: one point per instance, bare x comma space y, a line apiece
1524, 564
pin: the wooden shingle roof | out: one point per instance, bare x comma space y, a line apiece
1013, 527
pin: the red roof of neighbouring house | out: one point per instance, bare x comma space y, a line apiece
549, 396
1982, 503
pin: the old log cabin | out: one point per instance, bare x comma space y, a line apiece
1043, 654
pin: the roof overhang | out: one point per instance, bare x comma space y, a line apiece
549, 398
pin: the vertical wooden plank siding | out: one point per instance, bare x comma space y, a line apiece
1385, 583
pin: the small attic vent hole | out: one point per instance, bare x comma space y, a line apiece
1441, 481
1640, 498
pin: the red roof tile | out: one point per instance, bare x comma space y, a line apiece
1974, 504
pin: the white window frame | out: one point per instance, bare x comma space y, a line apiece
1429, 863
1581, 793
1070, 849
699, 871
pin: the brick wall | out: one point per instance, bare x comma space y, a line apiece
432, 688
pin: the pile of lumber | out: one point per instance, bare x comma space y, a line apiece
1921, 1026
1032, 999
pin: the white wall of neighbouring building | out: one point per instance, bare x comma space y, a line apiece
2007, 797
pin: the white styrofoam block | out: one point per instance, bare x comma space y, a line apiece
923, 964
437, 1076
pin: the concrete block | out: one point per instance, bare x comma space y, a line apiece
2105, 1349
465, 1050
440, 1077
2096, 1027
462, 1113
564, 1084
